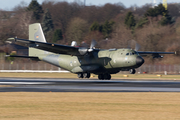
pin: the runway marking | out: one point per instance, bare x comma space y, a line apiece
22, 83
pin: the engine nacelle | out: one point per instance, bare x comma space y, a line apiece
157, 56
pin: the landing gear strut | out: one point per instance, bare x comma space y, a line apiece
105, 76
132, 71
84, 75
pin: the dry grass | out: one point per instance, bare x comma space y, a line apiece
70, 75
89, 106
6, 86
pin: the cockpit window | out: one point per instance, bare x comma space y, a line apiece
132, 53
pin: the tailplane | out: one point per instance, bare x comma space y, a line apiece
36, 34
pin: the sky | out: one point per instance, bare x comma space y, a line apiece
9, 4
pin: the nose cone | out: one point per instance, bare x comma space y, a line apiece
139, 61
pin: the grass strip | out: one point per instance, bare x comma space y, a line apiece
89, 106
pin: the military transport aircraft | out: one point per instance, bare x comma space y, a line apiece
80, 60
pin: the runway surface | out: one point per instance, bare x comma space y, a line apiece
92, 85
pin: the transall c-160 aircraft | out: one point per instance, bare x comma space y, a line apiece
80, 60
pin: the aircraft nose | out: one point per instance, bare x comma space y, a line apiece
139, 60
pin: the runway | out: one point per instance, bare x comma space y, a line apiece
92, 85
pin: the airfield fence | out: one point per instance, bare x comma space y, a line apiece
41, 66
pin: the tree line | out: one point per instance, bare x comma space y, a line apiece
111, 25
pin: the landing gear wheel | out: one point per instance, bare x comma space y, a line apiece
101, 77
80, 75
132, 71
104, 76
107, 76
86, 75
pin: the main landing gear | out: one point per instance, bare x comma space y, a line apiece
84, 75
105, 76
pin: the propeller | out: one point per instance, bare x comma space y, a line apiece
85, 50
135, 45
93, 44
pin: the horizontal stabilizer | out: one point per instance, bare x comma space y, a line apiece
35, 58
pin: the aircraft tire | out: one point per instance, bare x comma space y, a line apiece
132, 71
80, 75
86, 75
107, 76
101, 77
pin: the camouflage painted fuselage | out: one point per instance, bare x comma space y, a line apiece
102, 61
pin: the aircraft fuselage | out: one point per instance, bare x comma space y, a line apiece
110, 61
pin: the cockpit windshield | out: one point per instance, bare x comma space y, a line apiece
132, 53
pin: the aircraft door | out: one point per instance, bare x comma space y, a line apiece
112, 60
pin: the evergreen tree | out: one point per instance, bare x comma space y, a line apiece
159, 10
57, 35
141, 22
129, 20
47, 22
107, 28
95, 26
36, 8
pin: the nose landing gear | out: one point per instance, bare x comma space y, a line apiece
132, 71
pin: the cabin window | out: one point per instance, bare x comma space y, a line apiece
127, 53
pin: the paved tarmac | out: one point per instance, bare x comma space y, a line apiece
92, 85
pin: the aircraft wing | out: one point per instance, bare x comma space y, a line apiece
35, 58
142, 52
154, 54
55, 48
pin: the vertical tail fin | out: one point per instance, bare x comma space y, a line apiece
36, 34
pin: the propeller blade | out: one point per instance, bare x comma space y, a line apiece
84, 50
132, 44
93, 43
137, 47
